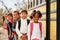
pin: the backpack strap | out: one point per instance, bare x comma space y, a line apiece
14, 24
31, 29
40, 25
28, 21
19, 24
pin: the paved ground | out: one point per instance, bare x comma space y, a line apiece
3, 34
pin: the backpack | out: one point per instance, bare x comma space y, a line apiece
31, 28
19, 23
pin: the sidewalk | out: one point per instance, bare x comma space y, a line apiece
3, 34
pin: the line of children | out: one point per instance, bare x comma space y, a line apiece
21, 26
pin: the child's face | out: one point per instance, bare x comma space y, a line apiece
10, 18
23, 15
36, 17
15, 15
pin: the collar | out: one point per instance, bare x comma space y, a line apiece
23, 19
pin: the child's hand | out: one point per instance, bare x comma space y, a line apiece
9, 36
24, 36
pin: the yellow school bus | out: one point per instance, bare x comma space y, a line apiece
41, 5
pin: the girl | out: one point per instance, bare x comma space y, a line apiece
8, 26
35, 28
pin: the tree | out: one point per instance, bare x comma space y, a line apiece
1, 14
1, 10
5, 6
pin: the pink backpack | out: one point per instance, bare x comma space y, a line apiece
31, 28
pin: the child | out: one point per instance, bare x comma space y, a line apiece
35, 28
8, 26
16, 17
22, 26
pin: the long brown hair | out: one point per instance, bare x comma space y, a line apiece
3, 19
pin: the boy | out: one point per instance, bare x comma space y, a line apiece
16, 17
21, 27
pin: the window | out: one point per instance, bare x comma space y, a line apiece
40, 1
28, 6
33, 2
36, 2
52, 0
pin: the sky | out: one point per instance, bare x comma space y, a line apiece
10, 3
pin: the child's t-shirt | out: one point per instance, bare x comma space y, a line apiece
36, 32
23, 28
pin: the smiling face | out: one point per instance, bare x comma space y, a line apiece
23, 15
16, 16
10, 17
36, 17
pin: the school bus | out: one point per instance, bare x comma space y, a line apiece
41, 5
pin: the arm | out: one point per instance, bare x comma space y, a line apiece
42, 32
17, 30
5, 26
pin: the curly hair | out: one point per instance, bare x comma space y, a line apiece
34, 12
